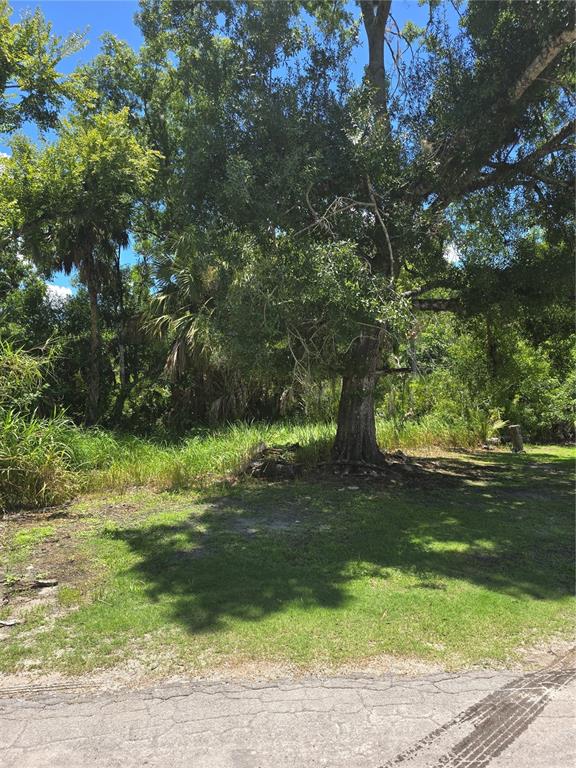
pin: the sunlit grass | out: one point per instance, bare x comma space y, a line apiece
319, 573
109, 462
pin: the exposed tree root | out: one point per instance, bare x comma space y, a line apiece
360, 467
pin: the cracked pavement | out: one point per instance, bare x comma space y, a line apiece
472, 719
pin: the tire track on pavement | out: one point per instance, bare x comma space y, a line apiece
487, 728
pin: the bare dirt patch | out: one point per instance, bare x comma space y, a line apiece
57, 562
57, 557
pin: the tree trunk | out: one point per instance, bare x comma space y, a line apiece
355, 442
93, 384
122, 372
516, 438
491, 350
375, 15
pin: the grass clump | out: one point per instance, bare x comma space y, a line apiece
27, 538
15, 550
36, 463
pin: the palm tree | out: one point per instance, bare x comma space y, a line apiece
76, 200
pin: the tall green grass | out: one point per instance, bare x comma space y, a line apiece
45, 462
430, 431
36, 461
198, 459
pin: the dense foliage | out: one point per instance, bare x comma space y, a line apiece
310, 245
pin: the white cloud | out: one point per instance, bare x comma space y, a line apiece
56, 295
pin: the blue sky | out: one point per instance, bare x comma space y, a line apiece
94, 17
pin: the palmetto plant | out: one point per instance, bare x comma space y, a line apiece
188, 282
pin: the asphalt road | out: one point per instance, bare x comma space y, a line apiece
471, 720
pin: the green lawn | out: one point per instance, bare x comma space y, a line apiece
466, 562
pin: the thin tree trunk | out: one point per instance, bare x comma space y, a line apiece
356, 442
93, 384
491, 350
124, 383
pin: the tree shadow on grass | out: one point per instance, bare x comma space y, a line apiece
253, 552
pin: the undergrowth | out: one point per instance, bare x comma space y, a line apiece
44, 462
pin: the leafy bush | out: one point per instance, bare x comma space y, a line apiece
486, 381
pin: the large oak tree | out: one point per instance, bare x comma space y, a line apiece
265, 135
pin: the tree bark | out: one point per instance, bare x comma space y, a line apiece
516, 438
356, 442
93, 384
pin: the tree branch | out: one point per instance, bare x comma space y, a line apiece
553, 47
425, 288
384, 228
504, 171
474, 179
437, 305
386, 371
